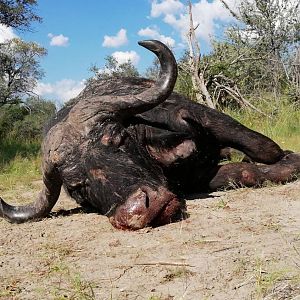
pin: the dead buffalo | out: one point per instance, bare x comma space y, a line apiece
130, 148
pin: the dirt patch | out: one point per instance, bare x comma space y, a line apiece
242, 244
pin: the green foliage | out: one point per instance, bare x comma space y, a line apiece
18, 13
11, 149
25, 120
152, 72
184, 84
20, 141
20, 69
30, 127
233, 69
225, 60
272, 24
113, 69
257, 54
8, 116
293, 95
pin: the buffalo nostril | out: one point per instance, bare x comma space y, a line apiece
147, 202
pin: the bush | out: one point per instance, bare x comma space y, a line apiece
293, 94
10, 114
25, 121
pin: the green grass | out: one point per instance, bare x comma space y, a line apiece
67, 282
10, 149
282, 123
267, 277
19, 163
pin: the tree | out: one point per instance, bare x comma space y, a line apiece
18, 14
8, 116
294, 91
113, 69
269, 35
19, 72
198, 70
257, 54
194, 66
19, 69
230, 79
152, 72
20, 123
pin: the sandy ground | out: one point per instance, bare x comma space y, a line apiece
240, 244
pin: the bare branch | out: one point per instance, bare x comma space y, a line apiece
230, 10
196, 72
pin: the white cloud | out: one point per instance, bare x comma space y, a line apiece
61, 91
123, 57
153, 33
205, 13
165, 7
6, 33
116, 41
58, 40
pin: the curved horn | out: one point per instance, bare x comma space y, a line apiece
40, 208
161, 89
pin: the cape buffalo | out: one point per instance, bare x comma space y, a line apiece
130, 148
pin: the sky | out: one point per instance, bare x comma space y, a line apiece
79, 34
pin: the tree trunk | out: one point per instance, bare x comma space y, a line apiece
198, 81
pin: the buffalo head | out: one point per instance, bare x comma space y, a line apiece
88, 150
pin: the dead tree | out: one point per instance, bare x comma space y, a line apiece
201, 80
296, 71
197, 74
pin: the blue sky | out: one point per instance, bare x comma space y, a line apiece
80, 33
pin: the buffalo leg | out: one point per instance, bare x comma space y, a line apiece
251, 175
